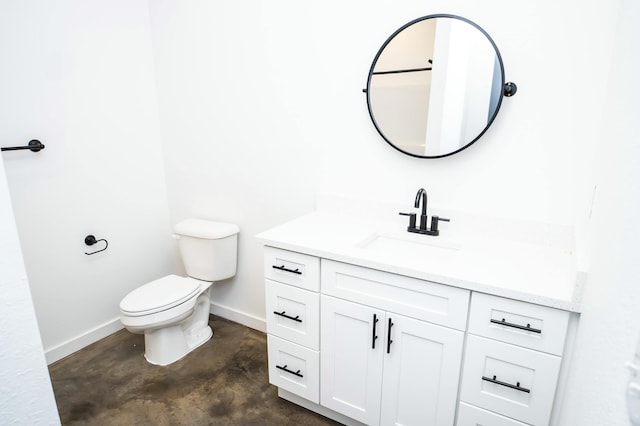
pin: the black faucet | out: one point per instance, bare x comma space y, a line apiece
416, 204
433, 230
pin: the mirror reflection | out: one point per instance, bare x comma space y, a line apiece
435, 86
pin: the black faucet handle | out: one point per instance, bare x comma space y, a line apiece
434, 223
412, 219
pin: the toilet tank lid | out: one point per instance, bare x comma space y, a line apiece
207, 229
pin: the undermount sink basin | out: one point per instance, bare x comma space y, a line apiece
406, 243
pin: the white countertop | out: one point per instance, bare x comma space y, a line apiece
532, 271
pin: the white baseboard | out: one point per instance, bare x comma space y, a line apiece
240, 317
75, 344
64, 349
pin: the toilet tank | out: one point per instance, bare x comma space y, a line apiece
209, 250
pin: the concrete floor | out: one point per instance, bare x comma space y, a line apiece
223, 382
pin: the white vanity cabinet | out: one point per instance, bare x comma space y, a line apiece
367, 346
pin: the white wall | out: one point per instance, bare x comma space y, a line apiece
529, 165
610, 324
261, 108
78, 75
235, 125
26, 396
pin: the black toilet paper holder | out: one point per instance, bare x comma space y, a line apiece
91, 240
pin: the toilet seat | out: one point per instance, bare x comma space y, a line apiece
159, 295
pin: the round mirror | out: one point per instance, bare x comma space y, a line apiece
435, 86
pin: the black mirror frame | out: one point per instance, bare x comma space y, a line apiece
508, 89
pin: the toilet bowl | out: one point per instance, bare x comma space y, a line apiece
173, 312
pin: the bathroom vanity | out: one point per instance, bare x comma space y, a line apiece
370, 324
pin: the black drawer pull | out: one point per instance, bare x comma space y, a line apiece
284, 368
283, 314
389, 341
509, 385
374, 337
518, 326
283, 268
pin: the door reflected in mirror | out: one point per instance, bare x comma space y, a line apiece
435, 86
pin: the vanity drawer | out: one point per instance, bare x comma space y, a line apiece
468, 415
510, 380
293, 268
293, 314
294, 368
524, 324
424, 300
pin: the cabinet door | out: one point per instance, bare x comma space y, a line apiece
468, 415
421, 372
352, 342
524, 324
294, 368
290, 267
511, 380
293, 314
419, 299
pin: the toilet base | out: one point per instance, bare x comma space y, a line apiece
166, 345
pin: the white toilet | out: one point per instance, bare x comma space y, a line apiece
173, 311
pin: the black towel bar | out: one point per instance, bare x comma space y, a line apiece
34, 145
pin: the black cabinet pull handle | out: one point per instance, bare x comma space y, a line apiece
518, 326
374, 337
283, 314
283, 268
284, 368
389, 341
509, 385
